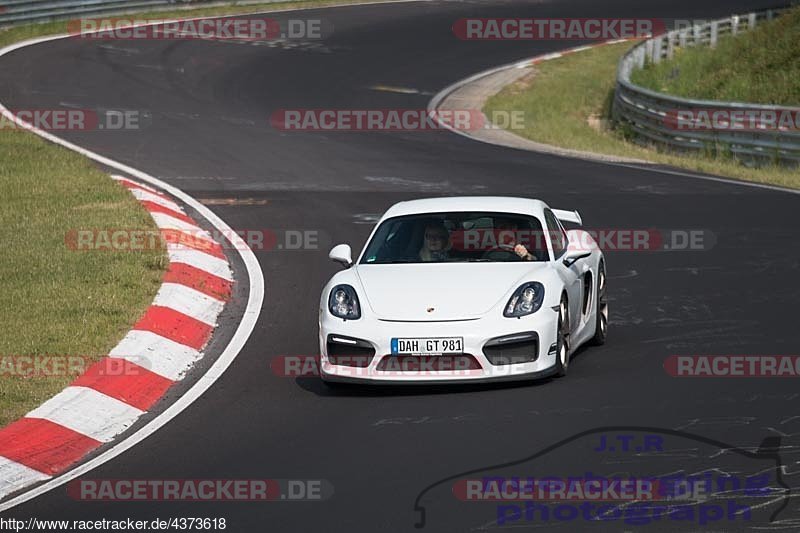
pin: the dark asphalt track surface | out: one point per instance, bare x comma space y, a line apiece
380, 448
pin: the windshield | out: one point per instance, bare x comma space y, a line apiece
457, 238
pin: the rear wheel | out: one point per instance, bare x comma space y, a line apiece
562, 343
601, 326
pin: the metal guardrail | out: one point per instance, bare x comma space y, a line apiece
651, 117
21, 11
14, 12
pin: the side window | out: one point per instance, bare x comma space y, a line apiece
557, 235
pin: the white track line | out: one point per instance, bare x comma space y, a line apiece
719, 179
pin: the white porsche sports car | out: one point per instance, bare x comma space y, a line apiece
463, 289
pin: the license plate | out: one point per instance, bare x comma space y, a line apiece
428, 346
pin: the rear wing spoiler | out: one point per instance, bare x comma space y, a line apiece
568, 216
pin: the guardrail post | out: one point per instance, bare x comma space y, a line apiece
697, 34
658, 43
714, 34
683, 38
640, 57
751, 21
670, 45
734, 24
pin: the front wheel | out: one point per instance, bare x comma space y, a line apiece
601, 320
562, 344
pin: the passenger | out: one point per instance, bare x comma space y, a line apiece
436, 243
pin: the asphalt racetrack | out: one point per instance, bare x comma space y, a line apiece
394, 456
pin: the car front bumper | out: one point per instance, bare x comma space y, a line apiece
386, 368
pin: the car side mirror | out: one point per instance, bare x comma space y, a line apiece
342, 254
572, 257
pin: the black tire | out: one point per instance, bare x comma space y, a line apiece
562, 343
601, 321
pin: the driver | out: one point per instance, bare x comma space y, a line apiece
506, 226
436, 243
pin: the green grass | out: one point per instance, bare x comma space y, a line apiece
563, 95
761, 66
54, 301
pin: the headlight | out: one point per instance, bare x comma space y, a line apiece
526, 300
343, 303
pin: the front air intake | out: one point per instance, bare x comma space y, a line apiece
347, 351
512, 349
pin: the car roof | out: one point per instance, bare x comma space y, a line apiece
496, 204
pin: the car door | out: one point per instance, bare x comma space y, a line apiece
572, 276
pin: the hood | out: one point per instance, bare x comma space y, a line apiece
459, 291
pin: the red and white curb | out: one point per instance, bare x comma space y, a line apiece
15, 471
162, 346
